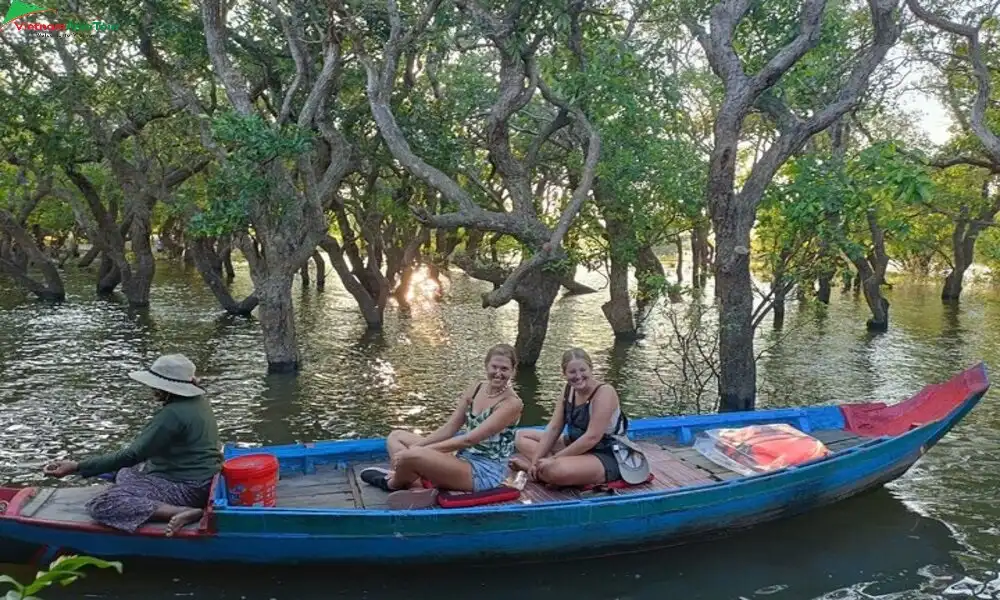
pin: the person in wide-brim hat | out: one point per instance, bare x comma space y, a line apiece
173, 374
179, 448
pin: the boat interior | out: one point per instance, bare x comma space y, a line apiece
335, 485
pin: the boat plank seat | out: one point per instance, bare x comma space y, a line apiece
62, 504
838, 439
695, 459
68, 505
670, 471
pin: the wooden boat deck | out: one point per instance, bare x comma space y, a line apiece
331, 487
68, 505
674, 467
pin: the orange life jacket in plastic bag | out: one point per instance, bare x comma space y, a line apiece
768, 447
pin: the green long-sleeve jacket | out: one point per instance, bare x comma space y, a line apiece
180, 443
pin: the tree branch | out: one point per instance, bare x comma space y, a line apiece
990, 141
809, 32
213, 13
887, 31
551, 249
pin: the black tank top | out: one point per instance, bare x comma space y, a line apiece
577, 418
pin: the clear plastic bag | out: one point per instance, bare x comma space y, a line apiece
758, 448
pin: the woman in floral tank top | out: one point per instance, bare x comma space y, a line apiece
475, 460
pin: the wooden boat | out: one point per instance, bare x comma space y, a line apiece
324, 514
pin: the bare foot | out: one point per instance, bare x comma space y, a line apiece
183, 518
520, 463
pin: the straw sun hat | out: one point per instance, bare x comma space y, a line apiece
172, 373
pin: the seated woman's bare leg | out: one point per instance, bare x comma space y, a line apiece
443, 470
526, 442
397, 441
400, 440
572, 471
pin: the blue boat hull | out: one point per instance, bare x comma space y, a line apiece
595, 525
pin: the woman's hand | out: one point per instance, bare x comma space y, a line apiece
404, 455
540, 465
60, 468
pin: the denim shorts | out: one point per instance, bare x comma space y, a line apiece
486, 472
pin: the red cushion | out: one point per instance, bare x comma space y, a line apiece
619, 484
467, 499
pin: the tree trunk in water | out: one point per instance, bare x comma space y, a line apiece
649, 274
89, 257
870, 283
618, 309
732, 221
738, 370
53, 289
779, 309
169, 236
700, 259
320, 270
137, 280
680, 259
73, 246
402, 290
277, 319
878, 305
108, 276
227, 263
534, 296
963, 244
372, 306
304, 271
209, 265
953, 284
434, 274
823, 294
695, 261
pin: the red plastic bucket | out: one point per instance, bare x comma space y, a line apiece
251, 480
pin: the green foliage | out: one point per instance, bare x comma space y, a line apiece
64, 571
816, 77
245, 185
821, 204
651, 174
53, 215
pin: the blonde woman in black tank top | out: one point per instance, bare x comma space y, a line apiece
590, 412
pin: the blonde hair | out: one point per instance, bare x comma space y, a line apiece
505, 350
576, 354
